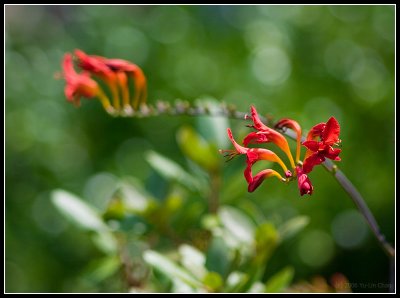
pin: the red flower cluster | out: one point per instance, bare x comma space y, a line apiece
114, 73
317, 150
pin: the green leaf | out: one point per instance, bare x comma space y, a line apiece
213, 281
105, 241
293, 226
171, 170
266, 237
197, 149
217, 257
101, 269
236, 281
134, 199
257, 287
77, 211
193, 260
280, 280
169, 268
213, 128
99, 190
238, 224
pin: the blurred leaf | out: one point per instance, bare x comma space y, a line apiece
235, 281
237, 223
217, 257
213, 128
134, 199
266, 238
197, 149
77, 211
173, 202
257, 287
105, 241
85, 217
181, 287
169, 268
99, 270
213, 281
193, 260
235, 188
280, 281
293, 226
210, 221
99, 189
171, 170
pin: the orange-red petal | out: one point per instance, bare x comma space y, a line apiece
316, 131
260, 177
331, 132
77, 85
312, 161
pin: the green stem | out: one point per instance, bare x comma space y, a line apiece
357, 199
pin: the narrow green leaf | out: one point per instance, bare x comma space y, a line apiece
236, 281
266, 237
170, 170
293, 226
77, 211
280, 281
237, 223
101, 269
257, 287
169, 268
217, 258
105, 241
193, 260
197, 149
133, 199
213, 281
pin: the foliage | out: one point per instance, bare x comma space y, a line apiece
152, 205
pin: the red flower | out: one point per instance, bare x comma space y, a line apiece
113, 72
253, 155
95, 65
303, 182
122, 66
78, 85
317, 151
320, 142
266, 134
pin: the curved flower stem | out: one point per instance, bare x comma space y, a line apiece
358, 200
185, 108
361, 205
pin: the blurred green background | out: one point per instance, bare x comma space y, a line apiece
303, 62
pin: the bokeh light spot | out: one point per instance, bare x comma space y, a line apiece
135, 45
271, 65
349, 229
168, 25
316, 248
368, 80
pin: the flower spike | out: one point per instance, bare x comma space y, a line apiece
114, 73
320, 143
